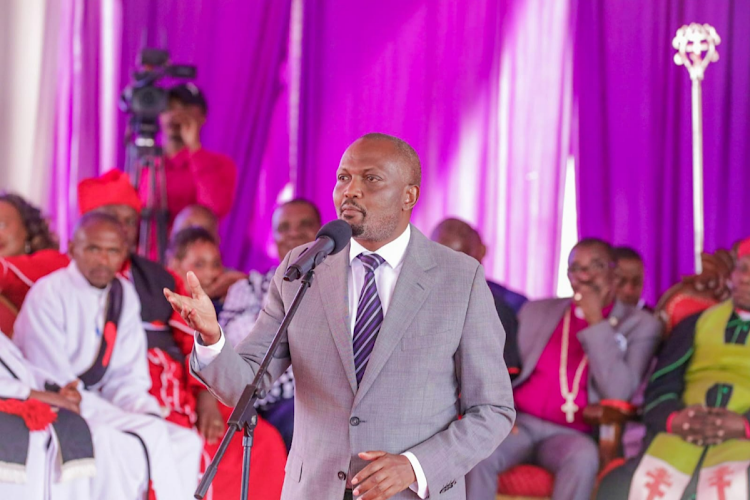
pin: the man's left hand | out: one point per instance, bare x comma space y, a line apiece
386, 476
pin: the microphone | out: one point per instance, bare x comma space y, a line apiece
331, 239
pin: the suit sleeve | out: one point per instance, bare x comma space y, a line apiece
215, 179
232, 369
665, 388
486, 398
617, 373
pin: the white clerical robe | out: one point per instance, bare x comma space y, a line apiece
60, 328
119, 461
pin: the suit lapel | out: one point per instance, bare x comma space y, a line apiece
619, 312
541, 331
334, 294
412, 289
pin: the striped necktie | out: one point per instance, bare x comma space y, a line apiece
369, 315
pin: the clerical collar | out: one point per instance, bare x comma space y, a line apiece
393, 252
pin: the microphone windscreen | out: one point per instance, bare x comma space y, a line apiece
339, 231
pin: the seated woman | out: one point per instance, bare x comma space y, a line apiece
195, 249
697, 407
28, 249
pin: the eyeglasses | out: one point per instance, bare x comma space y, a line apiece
596, 267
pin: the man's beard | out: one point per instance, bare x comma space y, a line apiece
376, 230
357, 230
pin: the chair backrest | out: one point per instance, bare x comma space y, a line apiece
8, 313
697, 292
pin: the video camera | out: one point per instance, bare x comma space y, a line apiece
143, 100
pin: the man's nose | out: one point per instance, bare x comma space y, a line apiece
353, 189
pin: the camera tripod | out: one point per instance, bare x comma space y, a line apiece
144, 155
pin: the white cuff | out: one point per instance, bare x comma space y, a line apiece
205, 354
420, 485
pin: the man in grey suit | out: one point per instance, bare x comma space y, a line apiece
397, 338
573, 352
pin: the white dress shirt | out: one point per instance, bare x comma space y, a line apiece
386, 276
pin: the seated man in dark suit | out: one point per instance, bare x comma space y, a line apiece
461, 237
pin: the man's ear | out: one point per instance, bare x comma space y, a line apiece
411, 196
482, 252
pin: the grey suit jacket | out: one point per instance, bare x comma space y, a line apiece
619, 349
441, 337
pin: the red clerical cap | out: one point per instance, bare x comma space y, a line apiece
112, 188
743, 248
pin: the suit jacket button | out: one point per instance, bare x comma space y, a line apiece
354, 421
342, 475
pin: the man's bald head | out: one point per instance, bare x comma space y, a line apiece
196, 216
407, 156
459, 236
98, 248
377, 186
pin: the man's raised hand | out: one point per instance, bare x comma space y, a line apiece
197, 310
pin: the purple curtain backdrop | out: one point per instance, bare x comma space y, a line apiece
635, 156
83, 102
477, 89
240, 49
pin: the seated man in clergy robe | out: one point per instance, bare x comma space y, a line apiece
82, 461
573, 352
697, 407
83, 323
183, 399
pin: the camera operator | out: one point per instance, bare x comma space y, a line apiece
193, 174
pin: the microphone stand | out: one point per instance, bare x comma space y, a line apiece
244, 417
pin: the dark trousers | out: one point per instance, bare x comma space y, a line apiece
348, 495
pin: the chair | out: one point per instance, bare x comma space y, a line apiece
696, 293
692, 295
8, 313
526, 482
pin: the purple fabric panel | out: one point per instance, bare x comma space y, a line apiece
239, 48
460, 83
77, 121
635, 145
